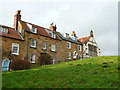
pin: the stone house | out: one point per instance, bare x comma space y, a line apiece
90, 47
28, 41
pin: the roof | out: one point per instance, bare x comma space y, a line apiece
68, 39
40, 30
84, 39
12, 33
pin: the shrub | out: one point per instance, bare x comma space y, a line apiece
45, 59
19, 64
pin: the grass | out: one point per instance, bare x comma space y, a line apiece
86, 73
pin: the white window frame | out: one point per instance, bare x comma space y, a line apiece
15, 45
53, 47
68, 45
80, 57
74, 55
44, 46
32, 58
54, 35
68, 55
53, 61
34, 46
3, 30
79, 48
34, 29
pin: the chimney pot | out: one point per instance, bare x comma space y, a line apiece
52, 28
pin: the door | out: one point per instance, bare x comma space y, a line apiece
5, 65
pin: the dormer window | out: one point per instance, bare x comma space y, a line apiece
34, 29
67, 35
54, 35
51, 34
3, 30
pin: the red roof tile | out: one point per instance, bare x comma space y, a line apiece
11, 33
40, 30
84, 39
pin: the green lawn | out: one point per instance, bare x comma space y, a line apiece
86, 73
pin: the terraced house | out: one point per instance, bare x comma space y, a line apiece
28, 41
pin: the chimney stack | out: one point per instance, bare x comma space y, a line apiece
73, 34
17, 18
52, 27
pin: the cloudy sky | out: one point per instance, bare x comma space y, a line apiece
76, 15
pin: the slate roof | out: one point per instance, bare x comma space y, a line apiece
12, 33
68, 39
40, 30
84, 39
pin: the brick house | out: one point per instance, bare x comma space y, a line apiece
28, 41
90, 47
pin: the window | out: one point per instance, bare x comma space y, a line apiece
53, 48
74, 54
33, 43
32, 58
68, 55
51, 34
68, 45
79, 47
67, 35
44, 46
54, 35
15, 48
53, 61
79, 57
34, 29
4, 30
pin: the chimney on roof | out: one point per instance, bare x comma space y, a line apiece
52, 27
91, 33
17, 17
73, 35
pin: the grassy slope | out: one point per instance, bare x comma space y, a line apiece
74, 74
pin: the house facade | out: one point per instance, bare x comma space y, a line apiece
90, 47
28, 41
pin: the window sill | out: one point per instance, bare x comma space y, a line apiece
53, 51
44, 49
68, 58
32, 62
33, 47
15, 53
68, 48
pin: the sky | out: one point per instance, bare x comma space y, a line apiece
80, 16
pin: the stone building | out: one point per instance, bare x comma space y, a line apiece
90, 47
28, 41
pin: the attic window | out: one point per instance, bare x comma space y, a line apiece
3, 30
67, 35
34, 29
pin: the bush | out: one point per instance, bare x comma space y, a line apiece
45, 59
18, 64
